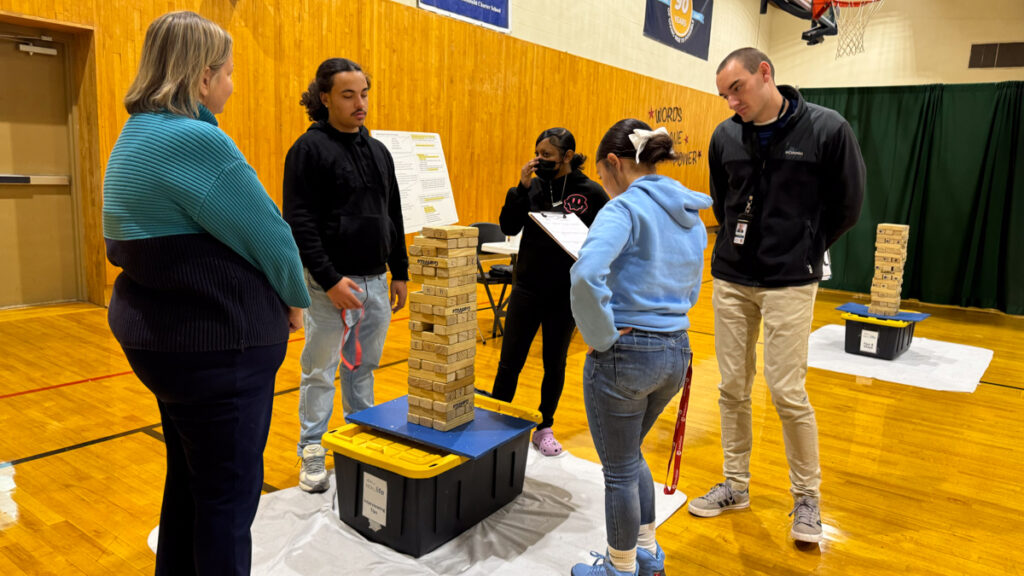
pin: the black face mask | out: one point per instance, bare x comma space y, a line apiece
546, 169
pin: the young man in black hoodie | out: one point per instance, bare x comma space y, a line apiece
341, 199
787, 179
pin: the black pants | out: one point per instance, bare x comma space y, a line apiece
529, 310
215, 408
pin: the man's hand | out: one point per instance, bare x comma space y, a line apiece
341, 294
294, 319
399, 292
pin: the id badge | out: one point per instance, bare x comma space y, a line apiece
741, 231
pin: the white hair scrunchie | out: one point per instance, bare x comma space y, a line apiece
639, 138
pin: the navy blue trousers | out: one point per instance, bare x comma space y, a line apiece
215, 408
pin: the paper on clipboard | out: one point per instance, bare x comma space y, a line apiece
564, 228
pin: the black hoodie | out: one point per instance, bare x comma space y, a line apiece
543, 264
341, 199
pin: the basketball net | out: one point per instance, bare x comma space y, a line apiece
851, 20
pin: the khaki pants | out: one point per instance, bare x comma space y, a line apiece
787, 314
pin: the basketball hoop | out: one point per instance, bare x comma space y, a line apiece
852, 18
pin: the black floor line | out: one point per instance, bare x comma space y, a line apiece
1001, 385
77, 446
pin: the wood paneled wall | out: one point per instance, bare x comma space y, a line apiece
488, 95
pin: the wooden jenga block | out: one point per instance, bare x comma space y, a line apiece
454, 338
448, 291
450, 320
455, 328
893, 228
420, 386
445, 243
445, 252
441, 377
442, 367
453, 394
420, 326
450, 232
415, 363
454, 423
445, 358
444, 282
445, 387
453, 262
457, 272
446, 349
449, 410
883, 310
415, 250
445, 301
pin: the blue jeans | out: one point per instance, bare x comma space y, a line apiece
320, 357
625, 389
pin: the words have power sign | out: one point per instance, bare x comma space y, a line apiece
682, 24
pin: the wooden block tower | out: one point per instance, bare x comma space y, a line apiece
443, 323
890, 256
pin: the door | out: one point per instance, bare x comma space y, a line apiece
39, 256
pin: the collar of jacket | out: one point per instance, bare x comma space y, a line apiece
789, 93
333, 132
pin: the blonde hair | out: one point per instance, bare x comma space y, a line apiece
179, 47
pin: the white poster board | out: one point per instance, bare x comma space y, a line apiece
423, 182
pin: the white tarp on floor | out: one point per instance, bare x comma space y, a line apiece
929, 364
554, 523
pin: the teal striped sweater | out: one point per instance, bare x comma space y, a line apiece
206, 257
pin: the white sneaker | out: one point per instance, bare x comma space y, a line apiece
313, 476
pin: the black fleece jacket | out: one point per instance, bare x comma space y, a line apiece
341, 199
542, 264
807, 186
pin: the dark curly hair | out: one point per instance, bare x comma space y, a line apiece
323, 83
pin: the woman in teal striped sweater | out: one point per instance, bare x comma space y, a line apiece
211, 285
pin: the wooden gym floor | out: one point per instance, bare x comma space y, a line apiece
915, 481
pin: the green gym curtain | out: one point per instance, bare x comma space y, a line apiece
949, 161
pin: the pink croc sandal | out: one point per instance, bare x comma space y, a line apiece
544, 440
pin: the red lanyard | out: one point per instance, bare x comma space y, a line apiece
677, 438
344, 338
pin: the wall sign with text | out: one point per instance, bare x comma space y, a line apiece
682, 24
488, 13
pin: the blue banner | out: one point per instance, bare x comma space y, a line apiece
682, 24
490, 13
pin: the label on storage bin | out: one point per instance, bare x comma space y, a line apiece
375, 499
869, 341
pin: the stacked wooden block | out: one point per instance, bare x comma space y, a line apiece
443, 323
890, 256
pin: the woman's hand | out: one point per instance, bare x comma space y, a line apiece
528, 170
623, 332
294, 319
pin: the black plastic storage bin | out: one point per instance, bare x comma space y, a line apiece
890, 338
425, 496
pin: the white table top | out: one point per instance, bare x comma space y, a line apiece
507, 248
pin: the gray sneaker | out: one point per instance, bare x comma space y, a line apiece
806, 520
313, 476
719, 499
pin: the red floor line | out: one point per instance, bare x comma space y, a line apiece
45, 388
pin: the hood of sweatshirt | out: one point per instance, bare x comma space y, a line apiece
681, 203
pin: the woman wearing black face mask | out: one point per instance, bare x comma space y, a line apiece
541, 294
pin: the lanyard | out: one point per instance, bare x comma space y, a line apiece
676, 457
344, 338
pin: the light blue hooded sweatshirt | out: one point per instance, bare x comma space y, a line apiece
641, 264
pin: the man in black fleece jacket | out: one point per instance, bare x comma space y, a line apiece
341, 199
787, 179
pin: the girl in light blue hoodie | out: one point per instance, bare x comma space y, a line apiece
637, 277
